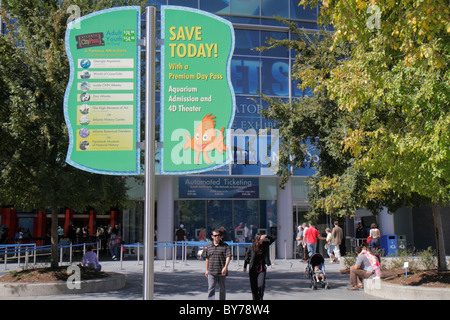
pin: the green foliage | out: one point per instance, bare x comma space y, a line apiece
339, 187
349, 260
427, 259
398, 261
398, 80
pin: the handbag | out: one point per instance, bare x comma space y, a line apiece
369, 239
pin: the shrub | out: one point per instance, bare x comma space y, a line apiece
428, 259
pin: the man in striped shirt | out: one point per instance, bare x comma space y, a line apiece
218, 256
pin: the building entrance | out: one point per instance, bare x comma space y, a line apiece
300, 209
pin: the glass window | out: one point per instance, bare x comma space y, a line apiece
300, 189
269, 216
184, 3
245, 169
215, 6
268, 188
275, 77
192, 214
246, 41
245, 7
157, 3
269, 151
301, 12
245, 19
267, 123
271, 8
276, 52
245, 140
246, 217
307, 25
245, 75
247, 114
251, 215
219, 214
296, 91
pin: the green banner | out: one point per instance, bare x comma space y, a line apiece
102, 100
197, 97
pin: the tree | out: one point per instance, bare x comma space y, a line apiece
338, 187
397, 77
34, 72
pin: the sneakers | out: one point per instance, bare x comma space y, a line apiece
114, 258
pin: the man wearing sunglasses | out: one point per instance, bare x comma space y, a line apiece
218, 256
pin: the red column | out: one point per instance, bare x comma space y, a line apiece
92, 222
11, 222
68, 221
40, 228
113, 218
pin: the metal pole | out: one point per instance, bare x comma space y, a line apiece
121, 258
26, 257
150, 39
6, 258
138, 254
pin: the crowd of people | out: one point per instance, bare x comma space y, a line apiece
308, 235
257, 258
108, 237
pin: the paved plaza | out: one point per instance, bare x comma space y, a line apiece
186, 281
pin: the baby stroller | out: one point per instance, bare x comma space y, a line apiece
316, 260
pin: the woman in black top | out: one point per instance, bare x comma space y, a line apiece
258, 258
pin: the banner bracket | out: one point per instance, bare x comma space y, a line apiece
142, 42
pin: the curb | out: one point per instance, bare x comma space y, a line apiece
381, 289
115, 281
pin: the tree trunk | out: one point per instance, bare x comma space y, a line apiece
54, 238
440, 244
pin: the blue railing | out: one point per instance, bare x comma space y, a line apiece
27, 251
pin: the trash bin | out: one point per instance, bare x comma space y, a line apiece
401, 243
388, 244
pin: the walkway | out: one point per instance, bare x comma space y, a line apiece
186, 281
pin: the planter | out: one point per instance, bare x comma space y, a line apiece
381, 289
114, 281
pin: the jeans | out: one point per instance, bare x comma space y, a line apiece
311, 248
212, 281
113, 249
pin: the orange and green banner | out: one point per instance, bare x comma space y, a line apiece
197, 97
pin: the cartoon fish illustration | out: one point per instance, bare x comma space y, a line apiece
206, 138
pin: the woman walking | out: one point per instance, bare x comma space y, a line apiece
258, 258
375, 236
